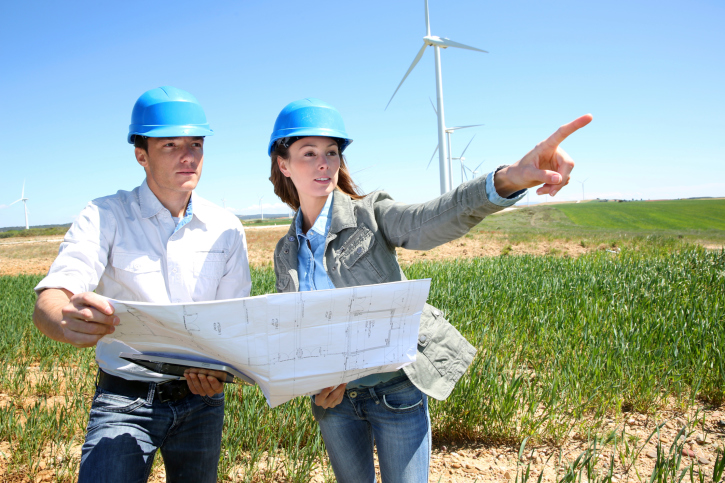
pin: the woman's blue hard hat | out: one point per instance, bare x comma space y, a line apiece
309, 117
167, 112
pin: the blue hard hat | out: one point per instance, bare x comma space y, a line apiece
309, 117
167, 112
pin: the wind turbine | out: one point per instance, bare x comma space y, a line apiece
449, 131
461, 159
474, 171
582, 183
437, 43
224, 202
25, 205
260, 207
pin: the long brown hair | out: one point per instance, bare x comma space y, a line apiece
285, 188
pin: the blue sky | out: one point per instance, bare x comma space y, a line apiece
650, 72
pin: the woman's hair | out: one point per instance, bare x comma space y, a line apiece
285, 188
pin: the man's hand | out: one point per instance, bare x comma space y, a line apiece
330, 396
547, 163
80, 319
205, 382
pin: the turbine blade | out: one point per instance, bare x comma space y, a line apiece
415, 61
11, 204
479, 165
469, 143
433, 106
464, 127
451, 43
427, 19
431, 158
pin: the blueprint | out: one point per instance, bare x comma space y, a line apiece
291, 344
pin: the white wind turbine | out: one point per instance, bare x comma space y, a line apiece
474, 171
25, 205
449, 131
461, 159
582, 183
437, 43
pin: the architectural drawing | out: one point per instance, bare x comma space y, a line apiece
290, 344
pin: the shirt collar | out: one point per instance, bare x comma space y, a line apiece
151, 206
322, 223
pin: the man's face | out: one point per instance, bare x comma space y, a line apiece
172, 165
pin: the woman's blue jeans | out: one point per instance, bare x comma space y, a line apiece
124, 433
392, 416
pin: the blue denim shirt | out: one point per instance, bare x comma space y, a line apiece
311, 251
311, 270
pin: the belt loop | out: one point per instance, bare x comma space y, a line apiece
152, 393
373, 395
98, 377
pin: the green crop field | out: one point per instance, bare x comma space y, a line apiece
623, 224
563, 344
648, 215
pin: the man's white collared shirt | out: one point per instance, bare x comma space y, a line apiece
126, 247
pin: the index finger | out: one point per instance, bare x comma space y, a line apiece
567, 129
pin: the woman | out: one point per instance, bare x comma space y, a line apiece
341, 238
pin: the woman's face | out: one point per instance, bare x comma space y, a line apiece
313, 166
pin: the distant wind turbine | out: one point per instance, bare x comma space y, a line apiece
260, 207
461, 159
474, 171
582, 183
224, 201
449, 131
437, 43
25, 205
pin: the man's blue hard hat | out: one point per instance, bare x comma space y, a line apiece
309, 117
167, 112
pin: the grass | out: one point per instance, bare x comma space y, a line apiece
50, 231
562, 344
631, 223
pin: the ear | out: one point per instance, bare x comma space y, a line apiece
282, 163
141, 157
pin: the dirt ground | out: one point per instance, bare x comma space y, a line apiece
35, 255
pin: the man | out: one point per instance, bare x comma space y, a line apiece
159, 243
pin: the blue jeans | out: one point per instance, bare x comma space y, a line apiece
393, 416
124, 433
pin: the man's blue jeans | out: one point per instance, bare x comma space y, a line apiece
124, 433
393, 416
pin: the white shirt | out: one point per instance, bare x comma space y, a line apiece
127, 247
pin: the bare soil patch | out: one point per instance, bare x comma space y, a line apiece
36, 258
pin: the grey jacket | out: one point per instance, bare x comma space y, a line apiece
360, 250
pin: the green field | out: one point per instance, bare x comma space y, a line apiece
563, 344
631, 223
648, 215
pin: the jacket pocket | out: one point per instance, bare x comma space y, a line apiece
359, 256
443, 355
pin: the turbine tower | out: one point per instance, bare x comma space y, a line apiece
437, 43
449, 131
25, 205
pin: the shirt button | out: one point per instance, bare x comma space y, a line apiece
333, 269
359, 250
422, 339
353, 394
291, 238
174, 270
286, 251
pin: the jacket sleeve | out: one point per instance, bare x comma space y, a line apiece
423, 226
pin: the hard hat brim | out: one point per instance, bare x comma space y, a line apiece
168, 131
305, 132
